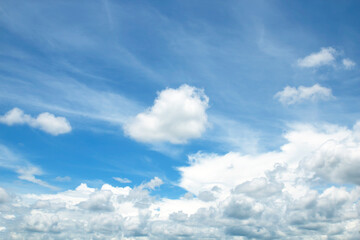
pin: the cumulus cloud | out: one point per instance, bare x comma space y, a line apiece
348, 64
176, 116
295, 192
46, 122
155, 182
326, 56
292, 95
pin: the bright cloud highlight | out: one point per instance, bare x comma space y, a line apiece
176, 116
46, 122
292, 95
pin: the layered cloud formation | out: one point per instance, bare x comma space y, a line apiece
176, 116
46, 122
284, 194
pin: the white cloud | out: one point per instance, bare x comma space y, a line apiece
348, 64
122, 180
235, 195
155, 182
330, 152
326, 56
176, 116
291, 95
46, 122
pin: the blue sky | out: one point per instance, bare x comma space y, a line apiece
167, 97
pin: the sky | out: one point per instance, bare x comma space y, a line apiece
179, 119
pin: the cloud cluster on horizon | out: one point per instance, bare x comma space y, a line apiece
280, 194
46, 122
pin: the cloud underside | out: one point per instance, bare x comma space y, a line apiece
296, 192
176, 116
292, 95
46, 122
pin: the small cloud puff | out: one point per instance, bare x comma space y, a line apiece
326, 56
292, 95
122, 180
348, 64
176, 116
46, 122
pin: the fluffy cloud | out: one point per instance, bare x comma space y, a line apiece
348, 64
292, 193
291, 95
46, 122
176, 116
328, 152
326, 56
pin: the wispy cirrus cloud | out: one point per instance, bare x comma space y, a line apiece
25, 170
292, 95
122, 180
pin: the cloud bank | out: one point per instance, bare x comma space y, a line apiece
292, 95
46, 122
176, 116
295, 192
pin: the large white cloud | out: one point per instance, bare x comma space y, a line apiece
46, 122
292, 193
176, 116
291, 95
330, 152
